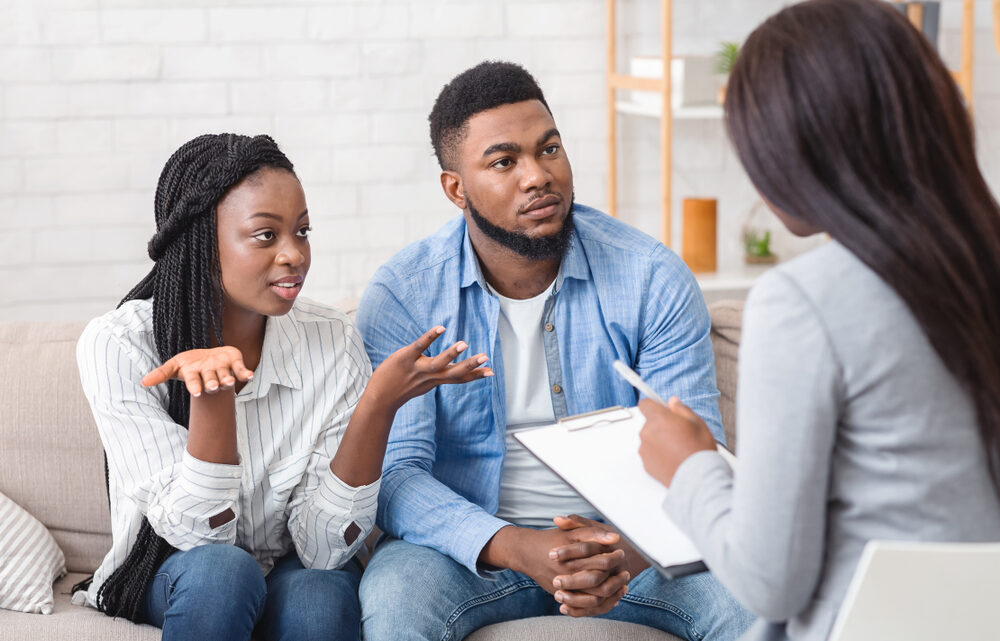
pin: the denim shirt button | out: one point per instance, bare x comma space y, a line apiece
557, 388
549, 327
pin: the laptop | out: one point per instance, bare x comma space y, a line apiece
923, 592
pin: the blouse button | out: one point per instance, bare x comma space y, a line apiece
549, 327
557, 388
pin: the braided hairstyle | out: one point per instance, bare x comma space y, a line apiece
186, 287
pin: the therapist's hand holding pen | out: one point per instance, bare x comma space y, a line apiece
671, 434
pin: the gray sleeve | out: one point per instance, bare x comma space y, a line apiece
761, 530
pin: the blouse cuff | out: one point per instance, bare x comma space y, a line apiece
210, 481
338, 497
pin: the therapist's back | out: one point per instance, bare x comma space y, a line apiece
869, 397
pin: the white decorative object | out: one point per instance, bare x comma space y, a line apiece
693, 81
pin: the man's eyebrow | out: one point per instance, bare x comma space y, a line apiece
548, 134
511, 147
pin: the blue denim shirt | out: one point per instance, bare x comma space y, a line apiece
618, 294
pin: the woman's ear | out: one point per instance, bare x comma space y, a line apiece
451, 183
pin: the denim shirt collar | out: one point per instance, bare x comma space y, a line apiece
574, 263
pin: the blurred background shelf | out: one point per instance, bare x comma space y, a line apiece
729, 284
699, 112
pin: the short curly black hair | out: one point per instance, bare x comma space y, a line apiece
487, 85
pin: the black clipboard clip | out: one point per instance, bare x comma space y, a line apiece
606, 416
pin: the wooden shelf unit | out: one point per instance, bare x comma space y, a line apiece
617, 82
996, 23
962, 75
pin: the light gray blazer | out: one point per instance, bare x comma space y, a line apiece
849, 429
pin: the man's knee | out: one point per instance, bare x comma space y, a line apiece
400, 572
700, 601
406, 592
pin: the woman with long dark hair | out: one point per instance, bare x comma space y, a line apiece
869, 373
243, 427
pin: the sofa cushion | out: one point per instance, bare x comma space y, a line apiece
72, 622
30, 561
52, 455
562, 627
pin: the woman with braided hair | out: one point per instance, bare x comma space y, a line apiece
243, 427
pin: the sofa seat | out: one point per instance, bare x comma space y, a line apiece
560, 627
69, 621
87, 624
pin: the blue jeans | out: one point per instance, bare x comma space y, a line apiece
413, 592
218, 592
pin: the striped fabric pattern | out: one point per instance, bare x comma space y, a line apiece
30, 561
289, 421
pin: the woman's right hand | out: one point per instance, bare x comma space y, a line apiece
408, 373
210, 370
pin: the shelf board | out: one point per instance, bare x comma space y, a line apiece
700, 112
738, 279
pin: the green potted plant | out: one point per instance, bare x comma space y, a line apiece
758, 248
725, 58
757, 236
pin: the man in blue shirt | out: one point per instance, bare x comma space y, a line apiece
552, 292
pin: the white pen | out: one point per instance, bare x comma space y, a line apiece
636, 381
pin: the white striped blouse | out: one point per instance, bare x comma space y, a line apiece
289, 420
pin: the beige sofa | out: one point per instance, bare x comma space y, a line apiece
51, 464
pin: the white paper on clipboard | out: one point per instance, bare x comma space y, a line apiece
597, 454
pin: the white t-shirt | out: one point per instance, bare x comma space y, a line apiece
530, 493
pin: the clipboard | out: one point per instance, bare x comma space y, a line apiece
623, 493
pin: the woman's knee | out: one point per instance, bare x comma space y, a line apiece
225, 573
313, 604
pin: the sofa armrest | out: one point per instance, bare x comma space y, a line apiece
727, 322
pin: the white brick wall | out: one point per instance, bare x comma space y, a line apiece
96, 94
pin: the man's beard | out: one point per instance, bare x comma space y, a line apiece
533, 248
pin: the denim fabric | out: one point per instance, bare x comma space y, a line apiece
411, 592
618, 294
218, 593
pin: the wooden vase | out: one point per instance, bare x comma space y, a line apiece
698, 239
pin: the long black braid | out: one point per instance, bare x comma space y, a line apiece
186, 288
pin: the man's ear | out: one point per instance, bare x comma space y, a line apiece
451, 183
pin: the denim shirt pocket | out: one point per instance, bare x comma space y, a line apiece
465, 412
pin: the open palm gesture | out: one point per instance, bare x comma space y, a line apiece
408, 372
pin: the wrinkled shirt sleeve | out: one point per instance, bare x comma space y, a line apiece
322, 507
148, 462
763, 530
413, 505
675, 346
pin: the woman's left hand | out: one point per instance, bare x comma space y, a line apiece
670, 435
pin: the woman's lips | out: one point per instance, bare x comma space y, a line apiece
288, 291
